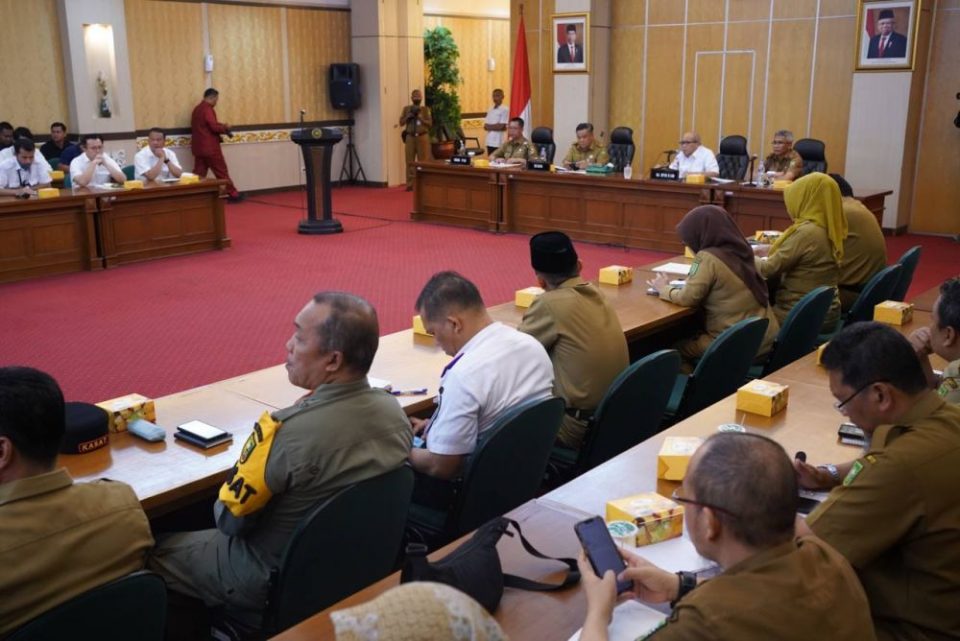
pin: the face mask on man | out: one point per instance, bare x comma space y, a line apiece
417, 101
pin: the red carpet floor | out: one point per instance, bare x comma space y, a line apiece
176, 323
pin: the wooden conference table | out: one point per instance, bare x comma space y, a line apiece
169, 475
89, 229
809, 423
598, 208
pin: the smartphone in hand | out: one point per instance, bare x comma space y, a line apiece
601, 550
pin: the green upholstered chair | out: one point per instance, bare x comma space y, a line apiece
798, 333
128, 171
630, 412
908, 265
504, 471
722, 369
132, 607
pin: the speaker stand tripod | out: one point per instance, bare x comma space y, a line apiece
350, 157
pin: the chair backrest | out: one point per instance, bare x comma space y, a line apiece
799, 331
908, 264
632, 408
132, 607
67, 181
462, 138
128, 171
621, 147
507, 467
733, 158
723, 367
542, 139
349, 541
813, 153
878, 289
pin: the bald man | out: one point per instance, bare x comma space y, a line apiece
694, 158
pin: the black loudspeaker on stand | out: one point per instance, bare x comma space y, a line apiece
348, 172
344, 86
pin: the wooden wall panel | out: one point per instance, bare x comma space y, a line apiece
749, 10
626, 89
479, 39
936, 194
795, 8
666, 11
34, 91
833, 83
788, 83
165, 45
662, 127
247, 44
703, 38
751, 37
315, 39
736, 96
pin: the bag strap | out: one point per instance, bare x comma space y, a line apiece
514, 581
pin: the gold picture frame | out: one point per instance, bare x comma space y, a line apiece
571, 42
881, 45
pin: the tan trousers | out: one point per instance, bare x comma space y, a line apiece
416, 148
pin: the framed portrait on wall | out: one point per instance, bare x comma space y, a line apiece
886, 34
571, 42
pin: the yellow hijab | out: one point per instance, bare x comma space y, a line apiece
816, 198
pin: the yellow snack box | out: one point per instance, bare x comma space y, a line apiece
779, 183
126, 408
893, 312
133, 184
616, 275
418, 327
820, 353
762, 397
56, 174
675, 455
767, 236
696, 179
657, 518
687, 252
525, 297
48, 192
189, 179
479, 162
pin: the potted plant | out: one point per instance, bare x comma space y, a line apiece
440, 53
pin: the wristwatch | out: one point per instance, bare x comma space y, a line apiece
832, 470
688, 581
166, 161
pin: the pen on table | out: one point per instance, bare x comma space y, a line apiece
419, 391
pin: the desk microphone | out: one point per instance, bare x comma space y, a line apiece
750, 175
302, 113
670, 154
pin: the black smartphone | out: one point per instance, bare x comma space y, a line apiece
850, 434
601, 550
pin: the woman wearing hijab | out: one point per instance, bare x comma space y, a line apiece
723, 280
809, 253
419, 611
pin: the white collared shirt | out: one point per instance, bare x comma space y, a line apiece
497, 369
101, 174
699, 162
38, 159
146, 159
12, 176
496, 116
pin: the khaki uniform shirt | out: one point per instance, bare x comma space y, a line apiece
797, 591
896, 518
949, 389
418, 126
790, 161
294, 459
582, 334
520, 148
725, 300
864, 250
59, 539
596, 150
803, 262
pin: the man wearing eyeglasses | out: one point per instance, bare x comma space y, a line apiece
893, 512
20, 176
784, 162
942, 337
740, 501
694, 158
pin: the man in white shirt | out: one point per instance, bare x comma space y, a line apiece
24, 133
694, 158
20, 176
496, 122
494, 368
93, 167
155, 161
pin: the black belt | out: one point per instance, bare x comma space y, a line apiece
580, 415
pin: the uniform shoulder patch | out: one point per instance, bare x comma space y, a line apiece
694, 266
245, 490
855, 470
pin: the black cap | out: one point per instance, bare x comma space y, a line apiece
886, 14
87, 428
551, 252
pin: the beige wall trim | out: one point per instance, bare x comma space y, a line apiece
813, 68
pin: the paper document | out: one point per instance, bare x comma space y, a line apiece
381, 383
673, 268
677, 283
673, 555
722, 181
631, 621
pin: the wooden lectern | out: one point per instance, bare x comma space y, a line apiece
317, 147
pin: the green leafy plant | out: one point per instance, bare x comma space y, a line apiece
440, 53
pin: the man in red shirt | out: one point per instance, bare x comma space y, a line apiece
206, 132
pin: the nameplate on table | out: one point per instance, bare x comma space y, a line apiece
460, 160
664, 173
538, 165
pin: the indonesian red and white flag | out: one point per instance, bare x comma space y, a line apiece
520, 91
